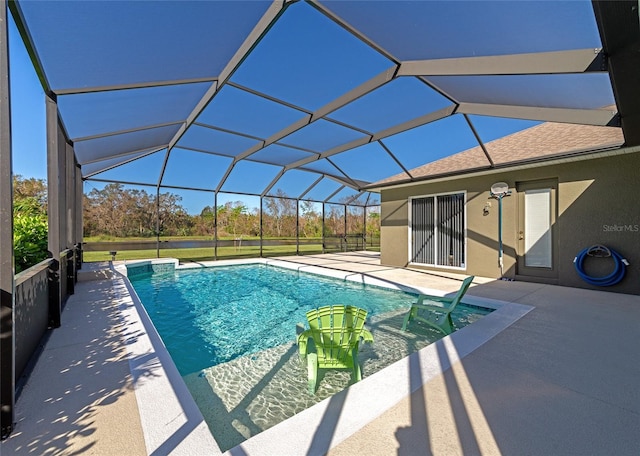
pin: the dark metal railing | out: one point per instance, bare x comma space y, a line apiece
344, 243
40, 295
31, 311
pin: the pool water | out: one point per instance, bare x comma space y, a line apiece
213, 315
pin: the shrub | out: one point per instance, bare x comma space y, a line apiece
29, 240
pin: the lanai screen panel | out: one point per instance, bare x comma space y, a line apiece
279, 217
394, 103
94, 168
142, 169
432, 141
207, 139
195, 170
334, 220
192, 202
278, 154
262, 176
577, 91
308, 60
103, 43
107, 146
241, 111
325, 167
97, 113
370, 163
347, 196
323, 190
322, 135
416, 30
490, 128
344, 90
119, 210
356, 224
293, 183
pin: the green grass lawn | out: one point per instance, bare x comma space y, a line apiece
200, 254
203, 254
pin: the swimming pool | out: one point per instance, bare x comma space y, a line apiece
245, 396
208, 316
213, 315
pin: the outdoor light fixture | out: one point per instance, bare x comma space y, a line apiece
499, 190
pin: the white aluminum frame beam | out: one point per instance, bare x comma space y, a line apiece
137, 85
123, 132
480, 142
363, 89
557, 62
143, 153
413, 123
268, 19
601, 117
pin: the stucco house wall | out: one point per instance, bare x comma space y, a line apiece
597, 202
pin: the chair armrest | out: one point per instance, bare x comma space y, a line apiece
435, 308
302, 340
433, 301
442, 299
366, 336
303, 336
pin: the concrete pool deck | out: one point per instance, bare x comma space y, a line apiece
562, 378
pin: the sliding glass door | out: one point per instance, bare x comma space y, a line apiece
438, 230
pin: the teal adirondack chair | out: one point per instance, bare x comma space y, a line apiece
336, 332
436, 311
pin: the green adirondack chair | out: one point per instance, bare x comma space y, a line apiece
436, 311
336, 332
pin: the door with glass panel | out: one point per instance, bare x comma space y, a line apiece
537, 233
438, 230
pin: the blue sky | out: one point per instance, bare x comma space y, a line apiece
27, 112
315, 70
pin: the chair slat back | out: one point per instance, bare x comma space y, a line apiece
463, 289
336, 330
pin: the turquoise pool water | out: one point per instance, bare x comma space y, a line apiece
213, 315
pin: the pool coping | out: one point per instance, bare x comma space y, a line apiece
172, 421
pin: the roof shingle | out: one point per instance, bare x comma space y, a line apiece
544, 141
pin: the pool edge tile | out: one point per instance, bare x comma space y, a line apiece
343, 411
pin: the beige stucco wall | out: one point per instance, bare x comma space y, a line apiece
598, 202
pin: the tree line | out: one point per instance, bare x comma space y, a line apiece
117, 212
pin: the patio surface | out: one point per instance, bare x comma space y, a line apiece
561, 379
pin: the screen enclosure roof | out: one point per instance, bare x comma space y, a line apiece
281, 97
